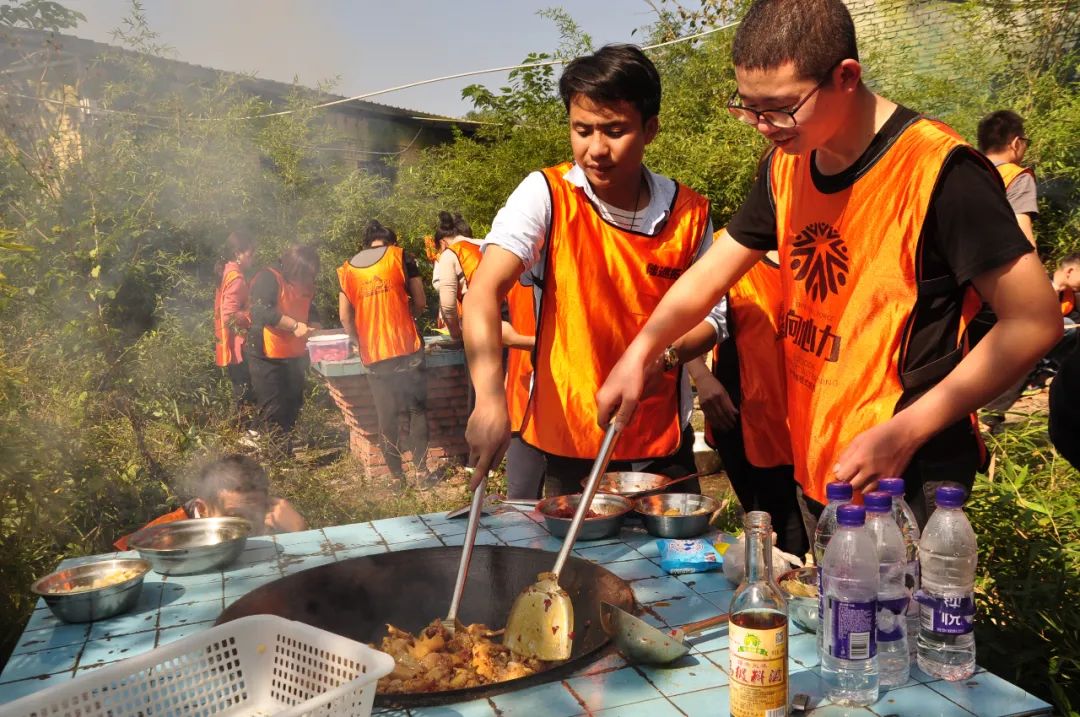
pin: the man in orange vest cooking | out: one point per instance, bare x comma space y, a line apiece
890, 231
599, 240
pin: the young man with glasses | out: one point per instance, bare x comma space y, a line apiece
889, 228
1002, 139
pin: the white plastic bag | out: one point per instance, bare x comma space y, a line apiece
735, 556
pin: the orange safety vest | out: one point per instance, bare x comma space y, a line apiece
468, 256
1067, 297
385, 327
225, 344
519, 365
180, 513
753, 312
850, 269
601, 283
1010, 171
295, 303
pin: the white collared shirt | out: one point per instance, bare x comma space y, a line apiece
521, 227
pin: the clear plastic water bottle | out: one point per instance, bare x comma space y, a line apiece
909, 530
837, 494
849, 666
894, 661
949, 554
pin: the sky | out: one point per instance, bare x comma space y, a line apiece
367, 45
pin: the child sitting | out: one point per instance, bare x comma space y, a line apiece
234, 486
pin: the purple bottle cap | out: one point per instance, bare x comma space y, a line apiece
951, 496
878, 502
838, 491
851, 515
892, 485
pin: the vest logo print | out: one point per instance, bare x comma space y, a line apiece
820, 260
664, 272
805, 333
374, 287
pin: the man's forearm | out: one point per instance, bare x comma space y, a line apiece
1000, 359
482, 332
693, 296
696, 342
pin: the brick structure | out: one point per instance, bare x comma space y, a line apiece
448, 413
921, 29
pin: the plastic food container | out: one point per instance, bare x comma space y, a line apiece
328, 347
258, 665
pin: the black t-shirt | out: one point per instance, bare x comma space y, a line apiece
969, 229
264, 311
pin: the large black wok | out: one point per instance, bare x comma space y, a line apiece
356, 598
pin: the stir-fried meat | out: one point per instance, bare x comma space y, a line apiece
433, 661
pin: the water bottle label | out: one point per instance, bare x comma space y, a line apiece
851, 625
891, 619
947, 615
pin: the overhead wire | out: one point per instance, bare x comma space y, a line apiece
376, 93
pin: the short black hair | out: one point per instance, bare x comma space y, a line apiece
1070, 259
999, 128
234, 472
814, 35
614, 73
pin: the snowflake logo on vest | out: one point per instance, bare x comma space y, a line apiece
820, 260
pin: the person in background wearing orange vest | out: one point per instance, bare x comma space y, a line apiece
890, 230
454, 268
381, 293
234, 486
282, 318
1066, 282
232, 314
525, 465
745, 406
604, 238
1001, 138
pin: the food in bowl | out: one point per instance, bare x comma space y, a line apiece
797, 588
433, 660
682, 511
94, 582
567, 512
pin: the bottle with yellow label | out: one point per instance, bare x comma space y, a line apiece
758, 631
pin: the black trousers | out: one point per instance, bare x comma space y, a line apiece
394, 392
564, 475
240, 377
769, 489
525, 467
278, 385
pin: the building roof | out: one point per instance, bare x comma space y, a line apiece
272, 90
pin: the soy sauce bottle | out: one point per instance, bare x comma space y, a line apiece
758, 631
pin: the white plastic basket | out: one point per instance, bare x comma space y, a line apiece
258, 665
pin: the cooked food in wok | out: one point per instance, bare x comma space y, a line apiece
113, 577
435, 661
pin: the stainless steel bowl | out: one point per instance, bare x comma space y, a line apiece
628, 483
192, 546
802, 609
72, 598
612, 509
692, 519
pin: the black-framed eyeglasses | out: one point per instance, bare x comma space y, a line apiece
780, 119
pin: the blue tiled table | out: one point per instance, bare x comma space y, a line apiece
50, 652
